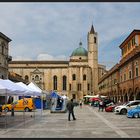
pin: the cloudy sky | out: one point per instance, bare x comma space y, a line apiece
51, 31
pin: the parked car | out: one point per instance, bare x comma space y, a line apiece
110, 108
134, 113
122, 109
20, 105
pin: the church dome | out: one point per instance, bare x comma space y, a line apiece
80, 51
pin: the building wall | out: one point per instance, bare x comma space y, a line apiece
4, 50
126, 73
78, 65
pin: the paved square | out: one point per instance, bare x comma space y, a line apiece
89, 124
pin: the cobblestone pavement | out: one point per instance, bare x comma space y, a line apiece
89, 124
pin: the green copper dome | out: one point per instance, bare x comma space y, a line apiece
80, 51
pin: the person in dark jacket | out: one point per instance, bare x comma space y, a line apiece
70, 107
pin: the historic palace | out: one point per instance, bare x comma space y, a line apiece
74, 78
122, 82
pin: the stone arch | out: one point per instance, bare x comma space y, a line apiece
120, 95
137, 93
131, 94
112, 95
125, 99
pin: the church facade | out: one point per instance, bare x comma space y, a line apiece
75, 78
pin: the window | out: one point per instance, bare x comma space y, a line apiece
129, 45
133, 41
137, 69
134, 103
88, 86
79, 87
2, 77
64, 83
137, 73
55, 82
73, 96
36, 78
84, 77
130, 74
3, 47
95, 40
26, 77
121, 78
73, 77
70, 87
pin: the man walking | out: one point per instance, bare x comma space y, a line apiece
101, 105
70, 107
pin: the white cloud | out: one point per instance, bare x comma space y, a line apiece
55, 28
21, 58
50, 57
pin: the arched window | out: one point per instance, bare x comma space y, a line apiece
73, 77
2, 77
55, 82
84, 77
26, 77
64, 82
36, 78
136, 69
95, 40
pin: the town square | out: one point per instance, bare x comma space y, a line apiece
70, 70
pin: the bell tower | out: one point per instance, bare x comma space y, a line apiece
92, 40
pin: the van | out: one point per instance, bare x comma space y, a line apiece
25, 104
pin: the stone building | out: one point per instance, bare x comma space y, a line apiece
75, 78
4, 55
122, 82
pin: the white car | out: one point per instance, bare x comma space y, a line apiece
122, 109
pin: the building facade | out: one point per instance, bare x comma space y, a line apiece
75, 78
4, 55
122, 82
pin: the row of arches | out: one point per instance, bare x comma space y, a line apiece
125, 95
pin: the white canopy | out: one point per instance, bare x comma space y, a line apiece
34, 87
89, 96
31, 91
64, 97
8, 87
95, 96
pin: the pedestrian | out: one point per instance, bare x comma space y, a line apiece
101, 105
12, 109
0, 109
80, 104
70, 107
